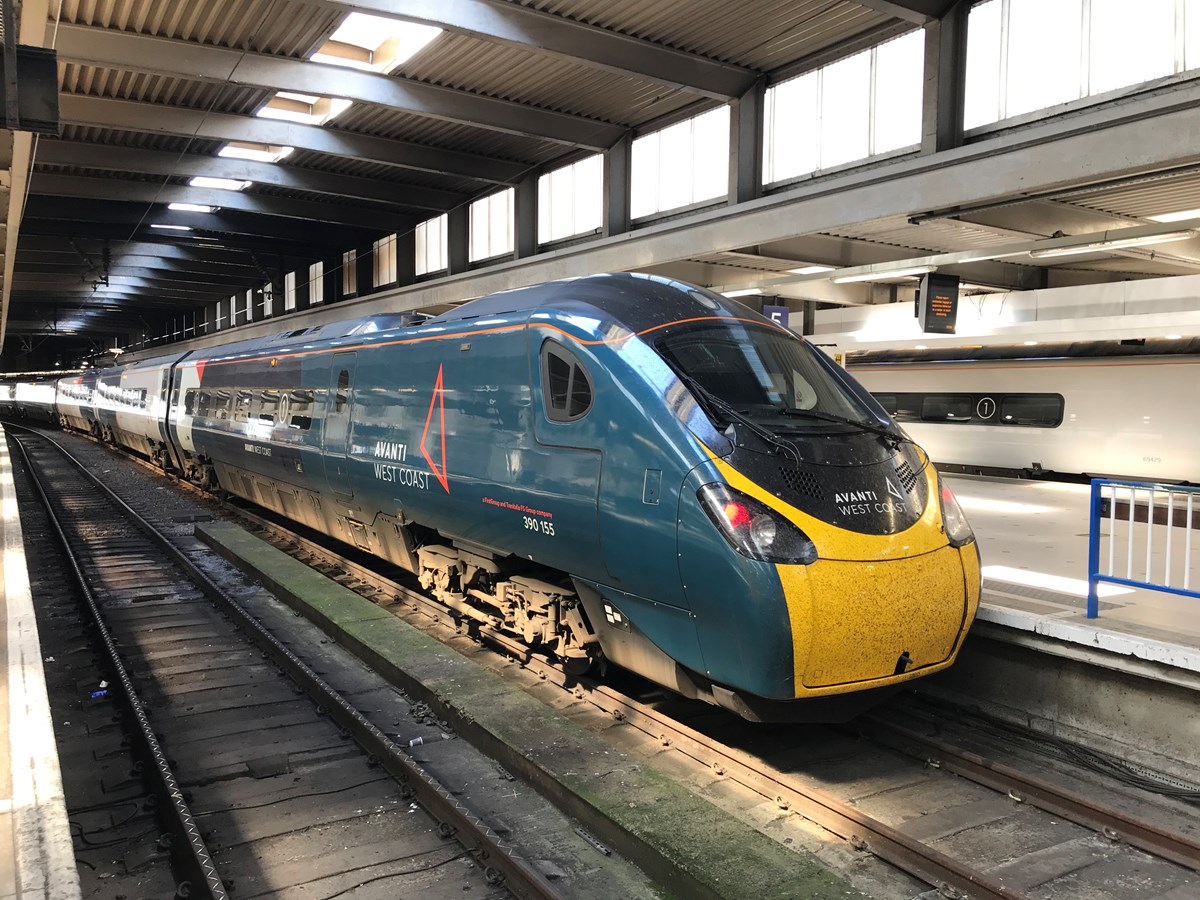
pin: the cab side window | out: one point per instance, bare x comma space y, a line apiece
566, 387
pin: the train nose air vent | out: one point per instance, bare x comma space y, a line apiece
802, 482
907, 476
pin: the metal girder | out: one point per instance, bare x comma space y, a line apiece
385, 218
916, 11
153, 118
202, 255
131, 52
510, 23
132, 275
53, 151
1043, 158
268, 249
135, 288
36, 261
66, 211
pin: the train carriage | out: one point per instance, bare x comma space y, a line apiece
617, 468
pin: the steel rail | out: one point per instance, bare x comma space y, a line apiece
951, 877
191, 853
1113, 823
501, 863
789, 791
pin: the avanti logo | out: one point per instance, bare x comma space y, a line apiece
439, 400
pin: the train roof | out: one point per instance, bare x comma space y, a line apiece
635, 299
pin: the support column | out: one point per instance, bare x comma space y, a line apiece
617, 164
945, 80
365, 259
526, 215
406, 257
458, 237
746, 144
331, 279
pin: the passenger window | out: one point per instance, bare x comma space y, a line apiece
565, 384
343, 390
189, 403
1037, 410
946, 408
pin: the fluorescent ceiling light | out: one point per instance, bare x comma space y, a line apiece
1176, 216
811, 270
884, 275
254, 152
374, 43
172, 227
745, 292
190, 207
1114, 244
1174, 337
223, 184
1031, 343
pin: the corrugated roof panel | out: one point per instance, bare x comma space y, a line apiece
281, 27
513, 73
390, 123
389, 175
763, 35
96, 81
142, 140
1173, 193
938, 235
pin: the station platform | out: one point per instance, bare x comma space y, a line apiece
1033, 536
1125, 683
37, 858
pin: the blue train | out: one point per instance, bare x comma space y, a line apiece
619, 467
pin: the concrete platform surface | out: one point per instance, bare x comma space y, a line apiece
1033, 536
37, 859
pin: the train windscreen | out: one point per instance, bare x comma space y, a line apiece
761, 374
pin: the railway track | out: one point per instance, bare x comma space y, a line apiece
963, 825
1077, 832
256, 780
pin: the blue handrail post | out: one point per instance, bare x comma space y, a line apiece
1093, 598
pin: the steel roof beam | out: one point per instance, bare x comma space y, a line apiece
384, 218
93, 248
55, 151
269, 250
154, 118
67, 210
133, 287
510, 23
131, 52
119, 274
37, 261
919, 12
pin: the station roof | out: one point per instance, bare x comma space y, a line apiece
157, 98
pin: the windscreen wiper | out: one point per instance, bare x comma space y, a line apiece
882, 430
711, 402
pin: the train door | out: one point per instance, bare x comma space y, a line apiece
335, 435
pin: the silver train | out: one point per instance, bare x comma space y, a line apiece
1096, 409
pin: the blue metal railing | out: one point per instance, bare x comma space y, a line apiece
1174, 501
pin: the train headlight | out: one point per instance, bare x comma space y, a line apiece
753, 528
958, 529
